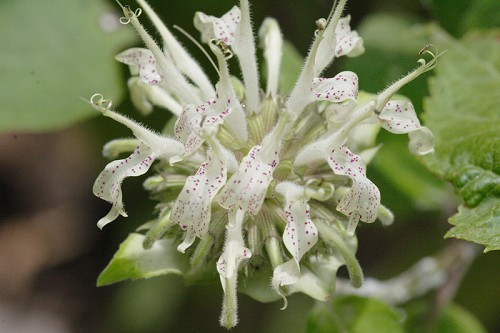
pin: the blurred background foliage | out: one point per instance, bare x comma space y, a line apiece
50, 250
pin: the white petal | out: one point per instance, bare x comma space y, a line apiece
108, 184
300, 233
344, 86
189, 120
189, 239
144, 60
299, 279
348, 42
363, 199
285, 274
271, 41
223, 28
399, 117
188, 126
247, 188
192, 209
421, 141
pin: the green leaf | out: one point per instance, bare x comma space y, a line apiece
485, 228
464, 114
132, 261
355, 315
291, 65
53, 53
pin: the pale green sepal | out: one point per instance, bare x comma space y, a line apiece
132, 261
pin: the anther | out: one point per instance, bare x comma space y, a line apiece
321, 24
226, 51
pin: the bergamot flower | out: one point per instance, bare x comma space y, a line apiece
254, 177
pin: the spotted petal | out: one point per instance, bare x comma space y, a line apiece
300, 233
299, 236
247, 188
108, 184
144, 60
399, 117
189, 125
223, 28
152, 145
192, 209
362, 201
348, 42
344, 86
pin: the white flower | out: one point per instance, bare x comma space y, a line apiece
256, 166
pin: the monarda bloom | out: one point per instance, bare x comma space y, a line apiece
263, 186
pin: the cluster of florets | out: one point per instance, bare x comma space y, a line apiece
271, 181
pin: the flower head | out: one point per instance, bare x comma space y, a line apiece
285, 170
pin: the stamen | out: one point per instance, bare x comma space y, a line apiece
101, 104
321, 24
129, 14
228, 54
195, 42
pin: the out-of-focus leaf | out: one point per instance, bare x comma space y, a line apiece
463, 112
132, 261
392, 44
485, 228
458, 320
482, 14
291, 65
52, 53
355, 314
450, 13
453, 318
460, 16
